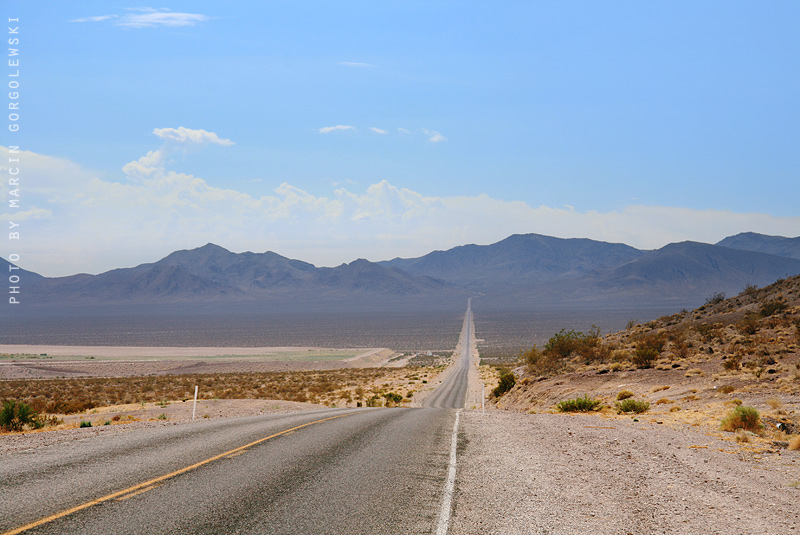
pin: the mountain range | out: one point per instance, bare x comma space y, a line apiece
520, 268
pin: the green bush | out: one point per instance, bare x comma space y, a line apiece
584, 404
392, 397
624, 394
15, 415
742, 417
85, 423
631, 405
773, 307
507, 382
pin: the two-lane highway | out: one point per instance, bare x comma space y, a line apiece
453, 390
329, 471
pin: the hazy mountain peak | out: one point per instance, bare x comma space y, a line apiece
763, 243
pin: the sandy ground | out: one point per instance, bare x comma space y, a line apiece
568, 474
112, 361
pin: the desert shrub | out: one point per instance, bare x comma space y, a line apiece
540, 363
507, 382
632, 405
742, 417
732, 362
715, 298
748, 324
375, 401
393, 397
726, 389
591, 347
624, 394
772, 307
584, 404
643, 357
707, 332
563, 343
680, 346
749, 290
85, 423
654, 340
794, 444
15, 415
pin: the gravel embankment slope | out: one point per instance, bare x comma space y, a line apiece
575, 474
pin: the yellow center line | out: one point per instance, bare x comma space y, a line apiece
136, 493
159, 479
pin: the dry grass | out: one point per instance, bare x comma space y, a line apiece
340, 387
774, 403
745, 418
794, 443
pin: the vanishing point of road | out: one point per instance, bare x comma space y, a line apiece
332, 471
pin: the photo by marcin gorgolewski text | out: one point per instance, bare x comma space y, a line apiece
14, 174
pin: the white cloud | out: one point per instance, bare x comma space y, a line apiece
148, 18
378, 130
403, 131
355, 64
329, 129
434, 136
75, 221
187, 135
100, 18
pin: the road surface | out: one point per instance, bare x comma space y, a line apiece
330, 471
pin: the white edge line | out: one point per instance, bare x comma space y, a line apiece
449, 488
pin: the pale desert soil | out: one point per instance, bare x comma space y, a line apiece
113, 361
576, 474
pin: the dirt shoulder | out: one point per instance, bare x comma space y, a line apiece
565, 474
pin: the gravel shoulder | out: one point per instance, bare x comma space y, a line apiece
577, 474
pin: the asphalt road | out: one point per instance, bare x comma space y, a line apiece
452, 392
351, 471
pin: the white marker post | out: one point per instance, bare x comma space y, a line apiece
194, 407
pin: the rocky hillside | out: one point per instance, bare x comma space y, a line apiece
691, 367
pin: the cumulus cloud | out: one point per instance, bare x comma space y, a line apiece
147, 18
73, 220
187, 135
434, 136
329, 129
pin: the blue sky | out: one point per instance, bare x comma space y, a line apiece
328, 131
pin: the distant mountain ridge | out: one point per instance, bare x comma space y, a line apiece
213, 273
690, 268
519, 260
777, 245
529, 268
